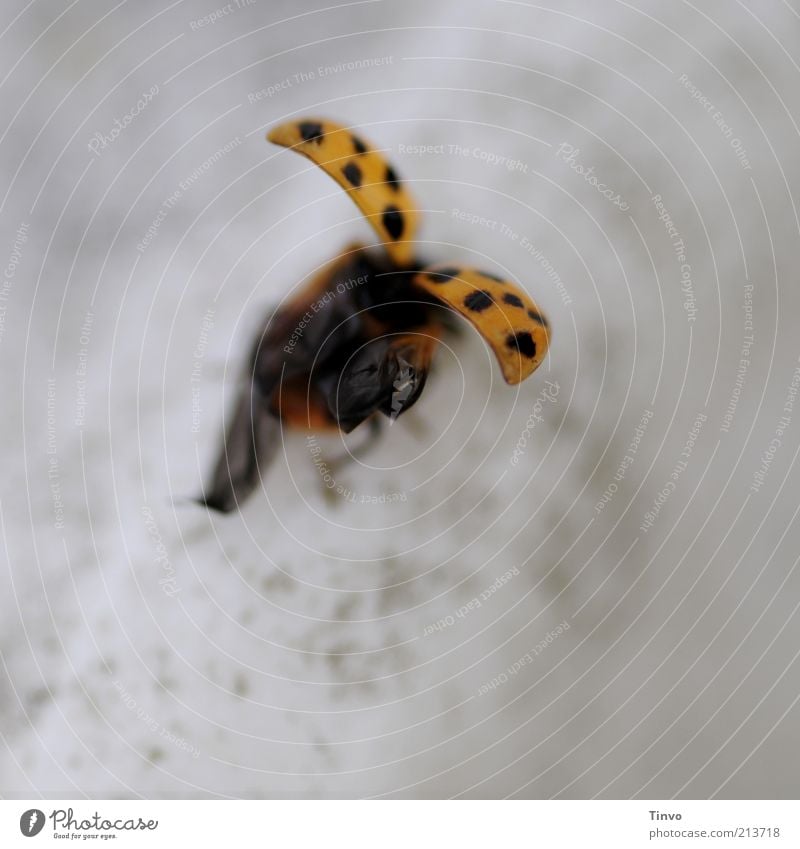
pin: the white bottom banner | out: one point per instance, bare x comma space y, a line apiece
506, 824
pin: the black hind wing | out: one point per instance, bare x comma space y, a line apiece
251, 441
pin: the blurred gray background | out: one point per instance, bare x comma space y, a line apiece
636, 629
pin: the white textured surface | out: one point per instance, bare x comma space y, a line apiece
294, 660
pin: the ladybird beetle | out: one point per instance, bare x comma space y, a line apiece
359, 338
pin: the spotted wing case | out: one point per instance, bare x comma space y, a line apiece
506, 317
363, 172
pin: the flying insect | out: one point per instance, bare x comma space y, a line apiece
357, 341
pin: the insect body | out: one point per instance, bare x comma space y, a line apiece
358, 340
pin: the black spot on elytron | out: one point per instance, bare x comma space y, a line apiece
478, 301
358, 145
522, 342
391, 178
352, 173
442, 275
537, 317
513, 300
393, 221
310, 131
490, 276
